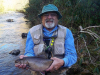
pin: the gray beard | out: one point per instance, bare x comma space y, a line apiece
49, 25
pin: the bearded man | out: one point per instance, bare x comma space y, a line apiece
40, 38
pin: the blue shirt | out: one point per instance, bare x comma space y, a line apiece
70, 51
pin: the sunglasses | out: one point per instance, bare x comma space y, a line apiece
51, 14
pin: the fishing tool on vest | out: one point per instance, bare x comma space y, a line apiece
49, 41
49, 50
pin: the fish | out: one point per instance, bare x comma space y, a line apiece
35, 63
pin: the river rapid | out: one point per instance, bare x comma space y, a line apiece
10, 39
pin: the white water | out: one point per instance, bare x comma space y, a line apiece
10, 39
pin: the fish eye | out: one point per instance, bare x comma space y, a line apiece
17, 61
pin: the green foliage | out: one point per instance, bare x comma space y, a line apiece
81, 50
96, 70
81, 60
33, 9
82, 35
97, 49
79, 12
74, 12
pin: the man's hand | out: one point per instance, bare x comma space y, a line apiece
57, 63
23, 66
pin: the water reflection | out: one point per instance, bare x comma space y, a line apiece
10, 39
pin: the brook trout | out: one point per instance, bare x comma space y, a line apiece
35, 63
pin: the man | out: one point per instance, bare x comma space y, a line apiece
56, 38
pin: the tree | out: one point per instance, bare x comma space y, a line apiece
33, 9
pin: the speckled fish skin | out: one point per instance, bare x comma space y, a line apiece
35, 63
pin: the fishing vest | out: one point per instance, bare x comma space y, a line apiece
39, 45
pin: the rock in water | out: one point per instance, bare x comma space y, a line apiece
15, 52
24, 35
10, 20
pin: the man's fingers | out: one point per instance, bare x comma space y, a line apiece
21, 56
24, 66
56, 68
21, 66
53, 58
50, 68
16, 65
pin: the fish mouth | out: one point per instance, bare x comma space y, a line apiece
16, 64
17, 61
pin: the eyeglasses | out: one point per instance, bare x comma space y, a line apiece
51, 14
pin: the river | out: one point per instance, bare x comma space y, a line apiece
10, 39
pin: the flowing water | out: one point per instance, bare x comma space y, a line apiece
10, 39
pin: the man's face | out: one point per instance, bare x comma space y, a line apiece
49, 20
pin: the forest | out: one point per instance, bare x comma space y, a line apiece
82, 17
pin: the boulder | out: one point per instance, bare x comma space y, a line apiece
10, 20
15, 52
24, 35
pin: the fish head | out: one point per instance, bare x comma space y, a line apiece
18, 61
21, 61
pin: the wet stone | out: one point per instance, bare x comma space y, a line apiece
15, 52
10, 20
24, 35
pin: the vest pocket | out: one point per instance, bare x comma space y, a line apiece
59, 48
38, 49
36, 39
